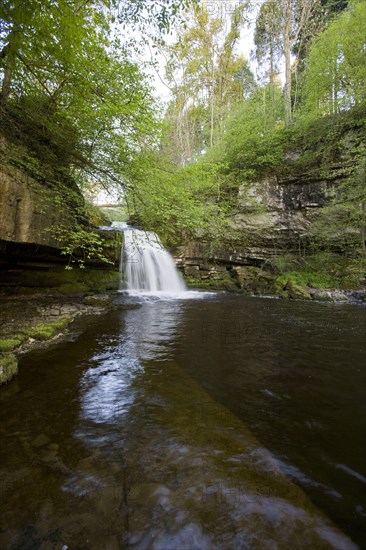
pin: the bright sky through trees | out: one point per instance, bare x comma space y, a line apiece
214, 8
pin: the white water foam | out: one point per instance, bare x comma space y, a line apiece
148, 267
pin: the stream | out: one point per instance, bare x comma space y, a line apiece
217, 421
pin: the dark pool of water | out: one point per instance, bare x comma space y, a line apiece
206, 423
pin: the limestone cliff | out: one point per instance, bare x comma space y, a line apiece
33, 211
274, 215
271, 217
26, 212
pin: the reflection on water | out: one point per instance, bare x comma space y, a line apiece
152, 430
107, 385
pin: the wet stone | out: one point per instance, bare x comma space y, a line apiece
98, 300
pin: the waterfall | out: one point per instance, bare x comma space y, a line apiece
147, 265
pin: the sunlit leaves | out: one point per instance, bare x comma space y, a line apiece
335, 77
60, 55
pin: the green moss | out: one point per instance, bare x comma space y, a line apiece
291, 276
46, 331
8, 366
297, 292
308, 279
321, 270
217, 284
8, 344
73, 288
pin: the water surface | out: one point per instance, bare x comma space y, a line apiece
214, 422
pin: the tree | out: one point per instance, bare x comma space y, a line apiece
150, 15
267, 39
278, 29
253, 142
335, 75
323, 12
175, 201
206, 77
60, 70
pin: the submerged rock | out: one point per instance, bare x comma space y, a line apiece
358, 296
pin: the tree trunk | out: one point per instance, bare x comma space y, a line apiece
271, 61
212, 100
5, 89
8, 64
287, 52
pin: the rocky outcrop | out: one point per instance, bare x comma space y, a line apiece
30, 216
27, 211
271, 217
34, 322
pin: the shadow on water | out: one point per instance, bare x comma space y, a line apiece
151, 430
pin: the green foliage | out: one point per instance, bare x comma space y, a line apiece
308, 279
254, 141
335, 76
145, 14
320, 270
70, 95
80, 244
175, 201
77, 110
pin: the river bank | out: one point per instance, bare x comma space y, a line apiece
253, 281
30, 322
355, 296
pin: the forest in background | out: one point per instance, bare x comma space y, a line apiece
78, 110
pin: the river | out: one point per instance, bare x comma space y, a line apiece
217, 421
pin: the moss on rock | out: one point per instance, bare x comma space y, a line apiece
98, 300
8, 367
296, 292
46, 331
212, 284
8, 344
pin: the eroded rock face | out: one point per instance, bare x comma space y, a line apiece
26, 211
271, 217
30, 222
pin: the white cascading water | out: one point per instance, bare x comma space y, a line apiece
147, 265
